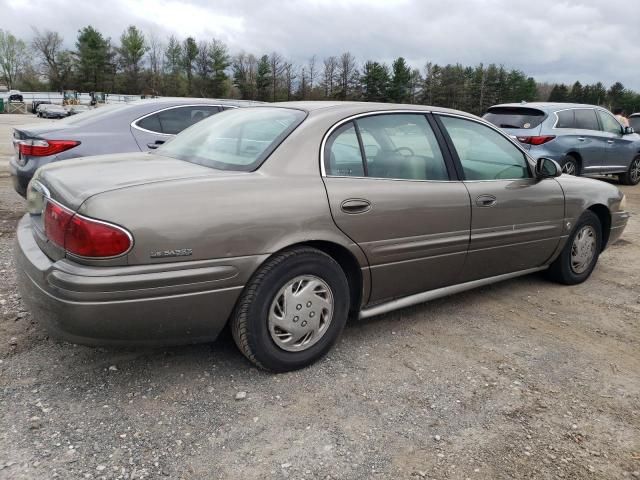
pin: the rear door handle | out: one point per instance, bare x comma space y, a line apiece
486, 201
581, 139
155, 144
609, 141
355, 205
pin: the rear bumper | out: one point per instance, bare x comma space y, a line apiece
20, 179
161, 304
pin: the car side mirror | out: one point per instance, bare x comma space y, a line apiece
547, 168
628, 131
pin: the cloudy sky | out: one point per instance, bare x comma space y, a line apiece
552, 40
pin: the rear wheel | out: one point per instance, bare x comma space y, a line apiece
631, 176
292, 311
580, 254
570, 165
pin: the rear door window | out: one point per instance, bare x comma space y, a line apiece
515, 117
586, 119
343, 152
173, 120
566, 119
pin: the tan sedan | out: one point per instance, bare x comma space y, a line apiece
287, 219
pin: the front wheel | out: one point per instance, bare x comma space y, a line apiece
580, 254
570, 165
631, 176
292, 311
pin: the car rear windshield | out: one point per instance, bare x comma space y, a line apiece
94, 114
235, 139
514, 117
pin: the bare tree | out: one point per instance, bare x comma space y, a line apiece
155, 55
347, 75
289, 78
277, 68
48, 46
329, 75
311, 74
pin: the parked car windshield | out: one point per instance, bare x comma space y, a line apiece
235, 139
634, 122
514, 117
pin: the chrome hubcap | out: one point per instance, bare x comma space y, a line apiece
300, 313
634, 171
569, 168
583, 249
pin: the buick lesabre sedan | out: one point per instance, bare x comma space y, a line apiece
284, 220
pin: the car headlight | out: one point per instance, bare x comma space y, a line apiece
623, 203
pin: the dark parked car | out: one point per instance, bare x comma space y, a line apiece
15, 96
51, 111
583, 139
129, 127
284, 219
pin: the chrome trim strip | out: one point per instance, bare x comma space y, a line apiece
439, 292
133, 124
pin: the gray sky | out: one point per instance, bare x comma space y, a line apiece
552, 40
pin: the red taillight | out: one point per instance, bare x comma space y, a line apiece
537, 140
84, 236
41, 148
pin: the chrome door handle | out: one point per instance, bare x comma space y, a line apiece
609, 141
581, 139
486, 201
355, 205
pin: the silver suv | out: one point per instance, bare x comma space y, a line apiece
584, 139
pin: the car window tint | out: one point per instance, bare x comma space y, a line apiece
586, 119
342, 153
401, 146
514, 117
152, 123
483, 152
565, 119
609, 124
174, 120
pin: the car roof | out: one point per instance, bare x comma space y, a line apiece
548, 106
361, 107
170, 101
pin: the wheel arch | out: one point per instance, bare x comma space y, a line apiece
356, 278
604, 215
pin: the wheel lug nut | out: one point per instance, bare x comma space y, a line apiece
304, 323
312, 314
308, 304
295, 319
298, 307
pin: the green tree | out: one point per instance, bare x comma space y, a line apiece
263, 78
219, 61
559, 93
189, 55
615, 95
399, 87
94, 59
576, 94
130, 54
173, 66
375, 82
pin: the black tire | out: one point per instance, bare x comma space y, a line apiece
561, 269
631, 176
249, 323
570, 165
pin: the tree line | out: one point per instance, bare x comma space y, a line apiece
139, 63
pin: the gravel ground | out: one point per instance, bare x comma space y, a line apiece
523, 379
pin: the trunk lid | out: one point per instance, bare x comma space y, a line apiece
73, 181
